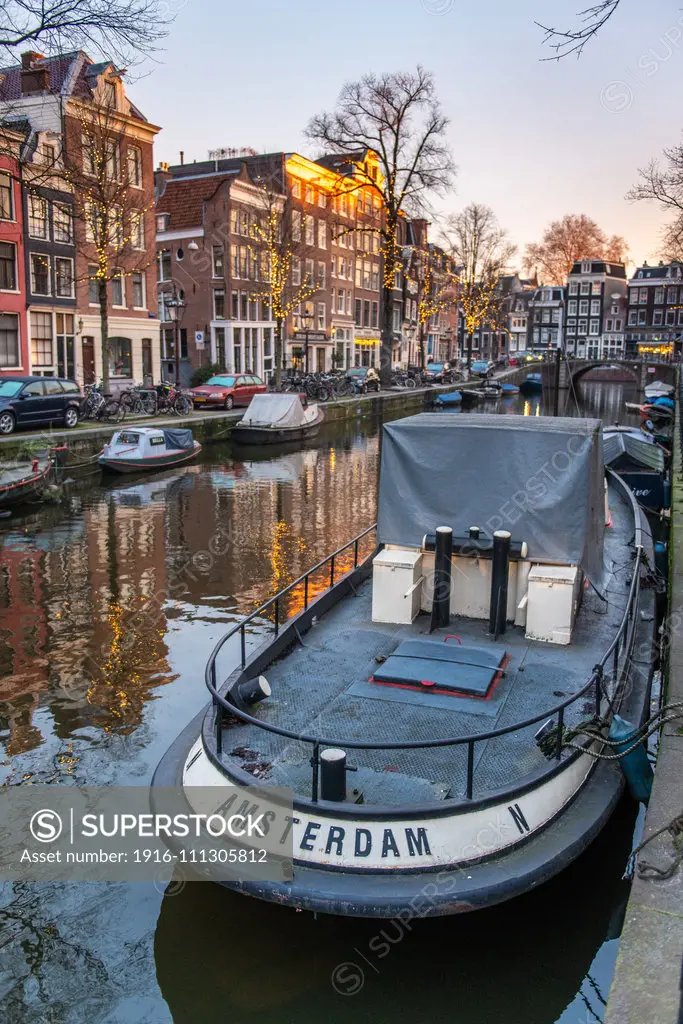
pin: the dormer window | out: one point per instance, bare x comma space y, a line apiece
163, 220
585, 268
109, 93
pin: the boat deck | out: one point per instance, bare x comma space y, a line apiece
323, 688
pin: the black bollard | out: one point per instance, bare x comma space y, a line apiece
441, 603
333, 775
499, 582
474, 532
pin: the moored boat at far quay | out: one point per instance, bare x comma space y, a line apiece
469, 670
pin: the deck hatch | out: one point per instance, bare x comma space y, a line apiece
446, 667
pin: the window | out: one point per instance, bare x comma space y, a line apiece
633, 318
296, 271
583, 327
218, 267
120, 357
609, 325
672, 295
321, 316
219, 304
137, 282
573, 287
322, 234
595, 307
9, 340
310, 231
40, 274
164, 265
546, 316
670, 317
341, 300
359, 313
37, 217
64, 277
134, 166
310, 195
322, 199
571, 326
597, 288
41, 340
163, 220
659, 295
595, 327
137, 230
375, 277
244, 306
583, 307
375, 315
585, 268
657, 318
642, 318
642, 296
308, 280
93, 286
117, 295
8, 267
65, 350
296, 225
571, 307
112, 160
115, 225
296, 188
321, 276
63, 225
6, 205
585, 288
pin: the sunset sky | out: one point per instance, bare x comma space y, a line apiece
533, 140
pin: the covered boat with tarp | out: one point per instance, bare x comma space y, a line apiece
439, 704
148, 448
274, 418
658, 389
640, 462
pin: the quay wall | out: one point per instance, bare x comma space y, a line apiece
647, 979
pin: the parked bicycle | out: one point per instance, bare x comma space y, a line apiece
98, 406
139, 400
168, 398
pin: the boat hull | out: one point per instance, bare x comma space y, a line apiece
25, 489
149, 463
274, 435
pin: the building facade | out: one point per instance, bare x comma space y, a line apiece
546, 319
654, 325
14, 348
61, 101
595, 301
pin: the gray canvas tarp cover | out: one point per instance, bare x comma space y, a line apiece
541, 478
178, 439
274, 411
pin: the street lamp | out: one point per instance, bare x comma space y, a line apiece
306, 319
176, 305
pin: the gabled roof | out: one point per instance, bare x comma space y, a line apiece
70, 74
600, 267
658, 273
183, 199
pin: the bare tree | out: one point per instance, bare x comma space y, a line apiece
482, 250
573, 40
113, 28
110, 211
397, 117
565, 241
437, 290
664, 185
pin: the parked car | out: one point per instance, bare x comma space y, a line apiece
481, 368
28, 401
434, 373
228, 390
359, 375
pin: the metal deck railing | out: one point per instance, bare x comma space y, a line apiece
618, 653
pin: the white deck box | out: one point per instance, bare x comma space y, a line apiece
553, 601
396, 585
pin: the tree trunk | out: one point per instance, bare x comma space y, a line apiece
421, 347
387, 347
279, 351
469, 350
104, 332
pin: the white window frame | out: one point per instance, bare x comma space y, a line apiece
64, 259
41, 255
119, 276
143, 278
32, 219
15, 290
134, 167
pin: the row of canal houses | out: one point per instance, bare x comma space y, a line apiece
191, 277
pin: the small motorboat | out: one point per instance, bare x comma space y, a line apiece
658, 389
25, 481
664, 402
452, 398
532, 384
490, 392
145, 448
656, 413
274, 418
509, 389
640, 462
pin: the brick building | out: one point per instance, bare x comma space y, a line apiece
654, 325
14, 350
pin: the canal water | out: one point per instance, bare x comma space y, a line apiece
109, 606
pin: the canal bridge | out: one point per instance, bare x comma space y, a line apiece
572, 370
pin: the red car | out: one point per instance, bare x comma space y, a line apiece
227, 390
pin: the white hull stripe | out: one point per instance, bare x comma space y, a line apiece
323, 840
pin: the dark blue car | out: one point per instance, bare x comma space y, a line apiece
35, 401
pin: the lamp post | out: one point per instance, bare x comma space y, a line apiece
306, 319
176, 310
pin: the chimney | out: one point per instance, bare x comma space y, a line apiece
182, 157
34, 75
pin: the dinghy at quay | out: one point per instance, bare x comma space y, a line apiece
148, 448
444, 669
274, 418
